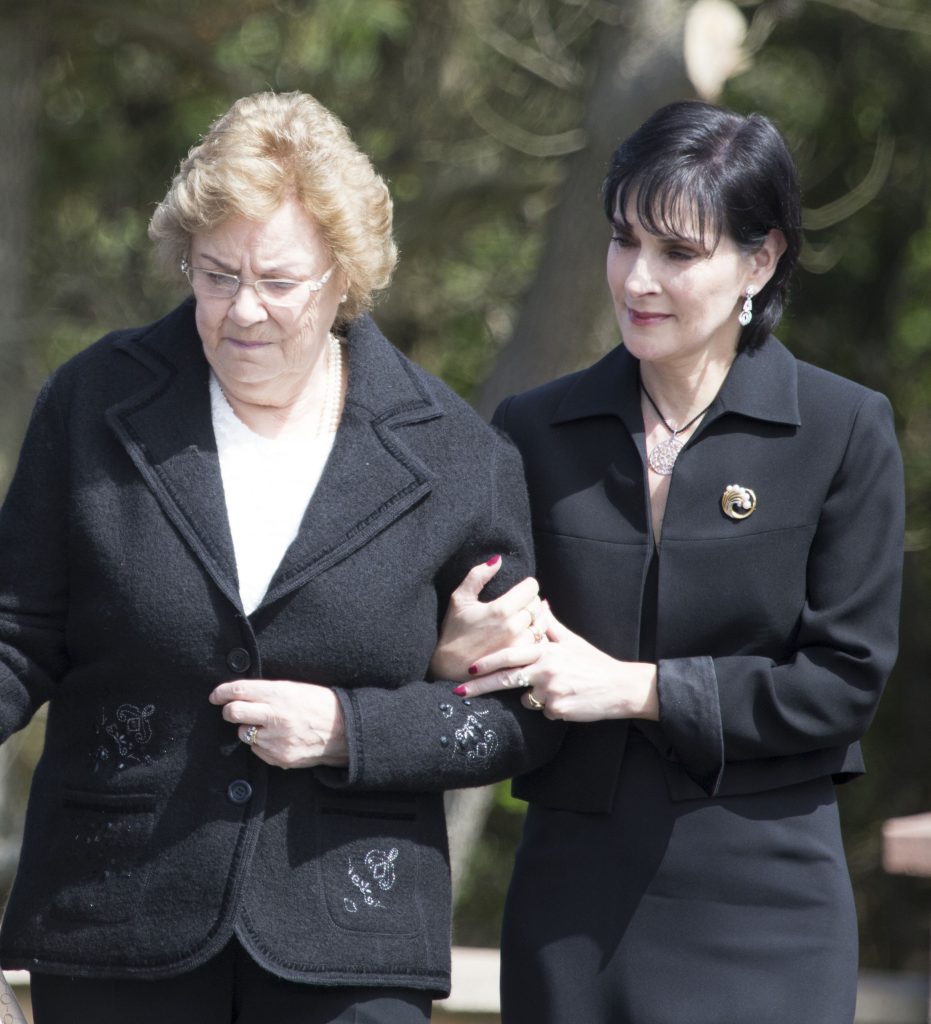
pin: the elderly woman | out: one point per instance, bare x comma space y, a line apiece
718, 530
226, 551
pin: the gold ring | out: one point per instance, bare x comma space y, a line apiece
537, 634
537, 705
250, 735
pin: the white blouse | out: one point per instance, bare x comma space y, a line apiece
267, 483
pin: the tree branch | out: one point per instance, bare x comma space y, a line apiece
860, 195
545, 35
556, 72
511, 135
885, 17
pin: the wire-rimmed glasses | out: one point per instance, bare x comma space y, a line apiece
273, 291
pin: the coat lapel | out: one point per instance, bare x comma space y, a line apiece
167, 431
371, 478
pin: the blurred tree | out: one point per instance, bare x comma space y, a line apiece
637, 65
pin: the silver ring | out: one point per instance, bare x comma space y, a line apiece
537, 705
520, 680
250, 735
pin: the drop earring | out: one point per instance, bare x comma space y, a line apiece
746, 314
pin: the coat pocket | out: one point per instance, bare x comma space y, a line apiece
369, 859
97, 856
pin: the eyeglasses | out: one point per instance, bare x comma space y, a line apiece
279, 291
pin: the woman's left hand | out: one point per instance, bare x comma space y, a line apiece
298, 725
572, 679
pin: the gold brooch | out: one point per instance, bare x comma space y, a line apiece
738, 502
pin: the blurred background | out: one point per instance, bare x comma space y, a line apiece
493, 121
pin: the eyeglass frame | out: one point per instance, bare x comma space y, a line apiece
313, 285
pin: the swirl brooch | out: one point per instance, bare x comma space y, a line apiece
738, 502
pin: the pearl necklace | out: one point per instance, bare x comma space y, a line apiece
330, 412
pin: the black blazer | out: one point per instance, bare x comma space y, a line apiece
775, 633
152, 834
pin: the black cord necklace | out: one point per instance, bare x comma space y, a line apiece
662, 457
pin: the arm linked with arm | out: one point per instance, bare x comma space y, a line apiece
421, 736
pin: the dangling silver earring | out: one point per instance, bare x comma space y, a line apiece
344, 296
746, 314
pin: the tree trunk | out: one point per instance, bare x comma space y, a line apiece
567, 318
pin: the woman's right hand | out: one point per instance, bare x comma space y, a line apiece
473, 628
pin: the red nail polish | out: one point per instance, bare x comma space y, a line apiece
473, 670
494, 560
460, 691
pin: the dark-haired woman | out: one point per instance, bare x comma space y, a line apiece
718, 530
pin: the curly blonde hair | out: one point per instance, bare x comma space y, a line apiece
270, 147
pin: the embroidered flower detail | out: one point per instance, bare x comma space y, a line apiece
378, 871
381, 867
474, 739
124, 737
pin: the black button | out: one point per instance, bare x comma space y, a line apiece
238, 659
239, 791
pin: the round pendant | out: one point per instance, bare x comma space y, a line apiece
663, 457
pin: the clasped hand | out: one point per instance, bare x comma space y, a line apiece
298, 725
571, 678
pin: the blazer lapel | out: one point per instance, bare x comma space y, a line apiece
372, 477
167, 431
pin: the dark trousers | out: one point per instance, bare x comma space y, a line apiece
230, 989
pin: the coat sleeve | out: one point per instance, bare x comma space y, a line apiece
718, 710
33, 570
421, 736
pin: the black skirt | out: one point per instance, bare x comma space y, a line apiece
736, 910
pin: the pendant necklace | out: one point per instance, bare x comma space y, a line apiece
662, 457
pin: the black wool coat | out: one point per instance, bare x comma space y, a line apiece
775, 633
152, 834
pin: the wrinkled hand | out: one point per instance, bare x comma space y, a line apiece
571, 678
299, 724
473, 628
